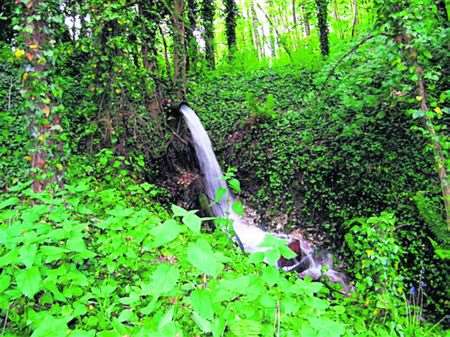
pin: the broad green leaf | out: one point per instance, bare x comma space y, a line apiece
326, 327
9, 202
245, 327
81, 333
76, 244
201, 301
235, 185
51, 326
163, 280
178, 211
126, 315
29, 281
238, 208
193, 221
202, 323
201, 256
52, 253
27, 255
166, 318
165, 233
5, 281
220, 194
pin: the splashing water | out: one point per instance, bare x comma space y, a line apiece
309, 261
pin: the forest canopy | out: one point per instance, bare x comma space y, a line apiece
219, 168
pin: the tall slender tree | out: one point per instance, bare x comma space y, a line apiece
355, 16
306, 23
207, 13
38, 97
231, 13
322, 21
192, 47
179, 49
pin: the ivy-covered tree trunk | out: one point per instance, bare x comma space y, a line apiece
149, 25
38, 97
322, 22
399, 28
208, 26
179, 50
230, 24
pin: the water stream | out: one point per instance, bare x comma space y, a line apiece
310, 261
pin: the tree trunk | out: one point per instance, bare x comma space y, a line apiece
190, 38
355, 16
438, 152
230, 24
208, 26
322, 16
166, 53
335, 10
306, 21
44, 124
256, 25
294, 14
179, 50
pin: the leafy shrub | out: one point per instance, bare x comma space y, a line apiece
99, 259
375, 256
338, 149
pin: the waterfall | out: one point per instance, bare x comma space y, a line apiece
309, 261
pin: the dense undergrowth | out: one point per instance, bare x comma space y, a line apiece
335, 146
314, 149
102, 257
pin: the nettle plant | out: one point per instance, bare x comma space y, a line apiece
375, 258
94, 260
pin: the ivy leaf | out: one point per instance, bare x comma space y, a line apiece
238, 208
201, 256
235, 185
29, 281
220, 194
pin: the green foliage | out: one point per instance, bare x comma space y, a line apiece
14, 136
261, 110
94, 260
341, 146
375, 255
429, 209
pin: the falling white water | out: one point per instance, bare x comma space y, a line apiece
250, 236
308, 262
